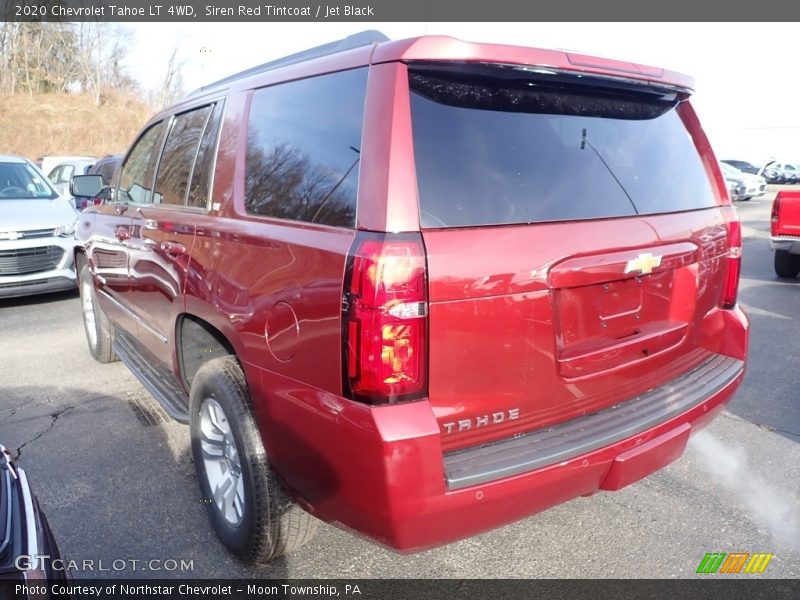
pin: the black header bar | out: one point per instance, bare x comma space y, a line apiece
392, 11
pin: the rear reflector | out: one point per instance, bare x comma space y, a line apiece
733, 260
385, 322
776, 212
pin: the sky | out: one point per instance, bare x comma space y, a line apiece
746, 74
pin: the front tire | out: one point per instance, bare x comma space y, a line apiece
249, 510
787, 265
99, 330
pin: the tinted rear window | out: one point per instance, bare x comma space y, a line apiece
304, 147
496, 145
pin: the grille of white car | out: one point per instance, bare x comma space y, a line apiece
21, 261
37, 233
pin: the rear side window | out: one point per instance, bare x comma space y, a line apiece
497, 145
137, 173
303, 147
55, 174
204, 164
105, 169
179, 155
62, 174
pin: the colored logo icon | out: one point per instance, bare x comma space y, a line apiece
734, 562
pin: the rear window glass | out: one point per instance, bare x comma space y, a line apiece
304, 147
496, 145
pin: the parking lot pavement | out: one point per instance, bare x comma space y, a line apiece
117, 482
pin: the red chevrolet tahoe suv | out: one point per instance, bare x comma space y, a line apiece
420, 288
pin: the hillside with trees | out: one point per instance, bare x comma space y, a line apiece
49, 124
64, 90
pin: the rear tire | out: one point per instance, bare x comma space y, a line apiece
249, 509
99, 330
787, 265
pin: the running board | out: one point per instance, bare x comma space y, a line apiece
160, 382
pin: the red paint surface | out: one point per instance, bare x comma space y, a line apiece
516, 316
786, 214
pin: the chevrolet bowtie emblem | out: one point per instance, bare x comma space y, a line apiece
644, 263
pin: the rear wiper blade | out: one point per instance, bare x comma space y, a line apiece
585, 142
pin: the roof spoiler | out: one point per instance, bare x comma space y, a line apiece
357, 40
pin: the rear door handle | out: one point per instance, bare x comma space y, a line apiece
173, 248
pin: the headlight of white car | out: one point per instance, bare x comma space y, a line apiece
66, 230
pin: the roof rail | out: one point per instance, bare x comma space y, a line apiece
357, 40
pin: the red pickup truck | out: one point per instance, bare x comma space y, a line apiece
785, 230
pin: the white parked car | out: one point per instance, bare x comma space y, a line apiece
61, 175
752, 186
50, 162
37, 229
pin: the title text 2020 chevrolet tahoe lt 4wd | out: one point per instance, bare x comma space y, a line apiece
420, 288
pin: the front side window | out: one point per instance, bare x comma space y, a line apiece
178, 157
136, 177
303, 148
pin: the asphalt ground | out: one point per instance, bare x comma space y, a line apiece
116, 479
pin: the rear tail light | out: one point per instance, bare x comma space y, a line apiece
776, 212
733, 259
385, 325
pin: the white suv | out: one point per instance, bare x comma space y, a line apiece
37, 229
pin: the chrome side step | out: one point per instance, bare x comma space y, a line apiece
159, 381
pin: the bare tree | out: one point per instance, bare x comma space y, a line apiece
90, 48
172, 85
100, 51
36, 57
59, 57
7, 79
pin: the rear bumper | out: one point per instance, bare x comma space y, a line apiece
43, 284
578, 437
381, 471
789, 244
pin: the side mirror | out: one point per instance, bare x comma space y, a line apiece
86, 186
